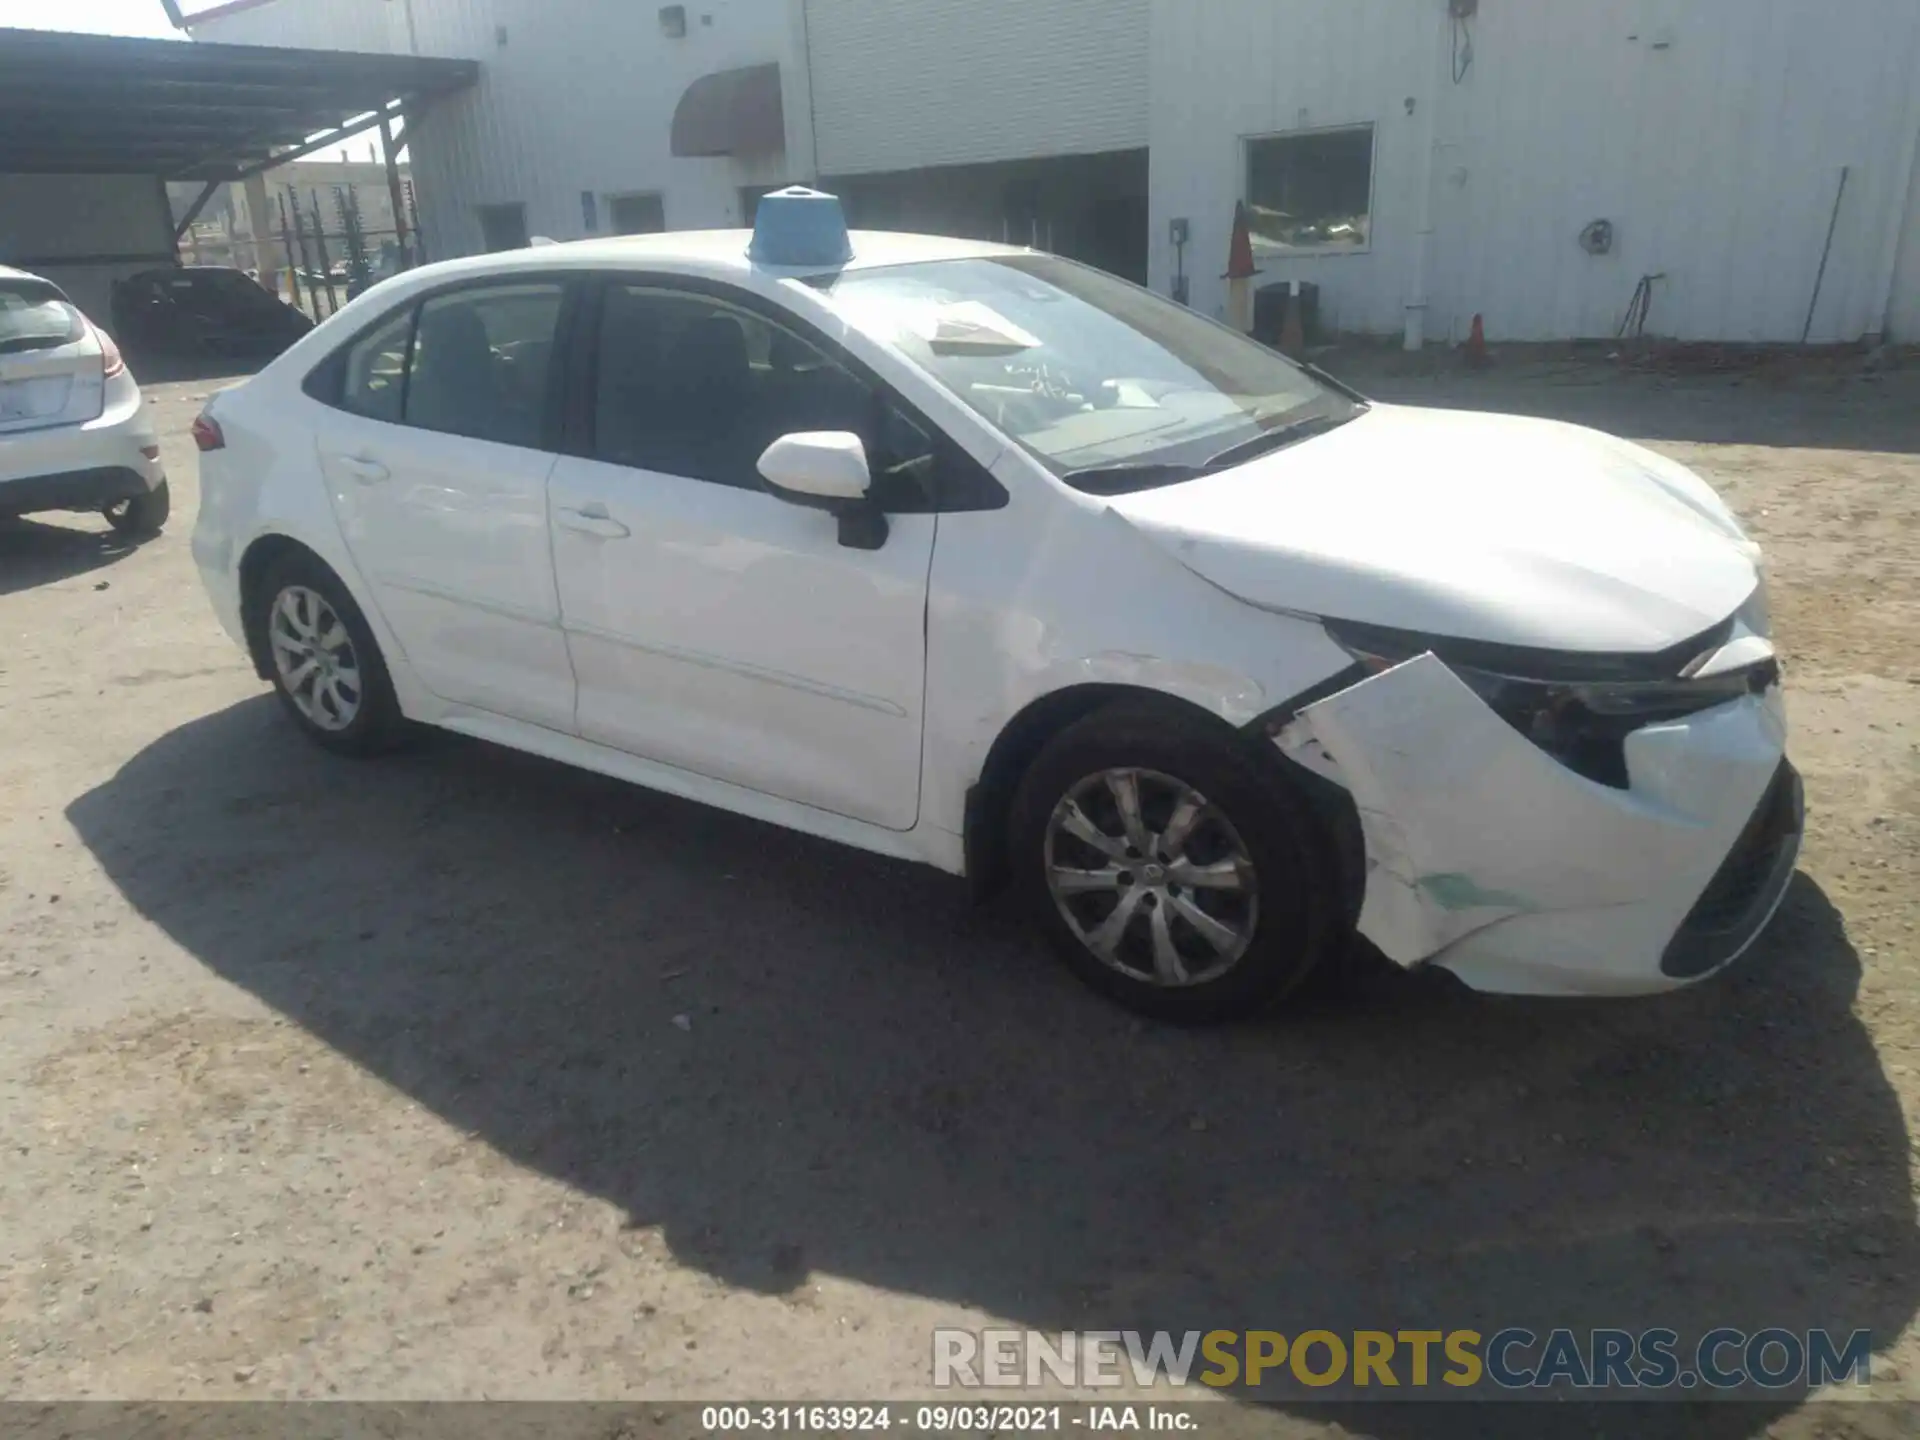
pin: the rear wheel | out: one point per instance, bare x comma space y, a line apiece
142, 514
1174, 871
325, 664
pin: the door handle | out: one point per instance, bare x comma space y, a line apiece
367, 471
592, 519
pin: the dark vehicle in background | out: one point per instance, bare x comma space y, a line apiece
203, 310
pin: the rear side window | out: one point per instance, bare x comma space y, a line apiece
481, 362
34, 315
373, 383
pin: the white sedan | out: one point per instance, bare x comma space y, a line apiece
74, 430
985, 559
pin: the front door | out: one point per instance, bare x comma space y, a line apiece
713, 627
437, 457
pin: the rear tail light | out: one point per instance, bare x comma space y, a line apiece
110, 353
206, 432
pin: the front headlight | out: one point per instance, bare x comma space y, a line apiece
1583, 723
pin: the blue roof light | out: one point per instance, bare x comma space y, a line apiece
798, 226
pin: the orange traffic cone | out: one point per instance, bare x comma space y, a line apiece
1240, 272
1476, 346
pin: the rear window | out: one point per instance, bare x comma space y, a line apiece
36, 316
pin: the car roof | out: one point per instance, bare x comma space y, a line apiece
719, 253
7, 272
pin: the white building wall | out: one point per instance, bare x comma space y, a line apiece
579, 97
1710, 132
369, 26
902, 84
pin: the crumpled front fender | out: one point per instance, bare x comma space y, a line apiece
1468, 824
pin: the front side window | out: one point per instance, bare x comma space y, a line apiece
1311, 191
481, 361
1108, 385
689, 385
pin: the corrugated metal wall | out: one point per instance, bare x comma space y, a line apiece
1710, 132
900, 84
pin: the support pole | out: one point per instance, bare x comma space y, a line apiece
193, 210
306, 262
394, 193
1429, 129
320, 244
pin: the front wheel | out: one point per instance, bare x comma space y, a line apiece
142, 514
1175, 871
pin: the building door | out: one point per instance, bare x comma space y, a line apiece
503, 227
636, 214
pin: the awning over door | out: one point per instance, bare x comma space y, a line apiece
731, 112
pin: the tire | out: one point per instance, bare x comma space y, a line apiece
141, 514
1265, 864
345, 703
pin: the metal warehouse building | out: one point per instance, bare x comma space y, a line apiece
1732, 170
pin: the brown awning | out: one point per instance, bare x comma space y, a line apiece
731, 112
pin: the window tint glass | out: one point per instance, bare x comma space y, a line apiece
1311, 191
481, 361
1083, 369
36, 316
691, 386
375, 368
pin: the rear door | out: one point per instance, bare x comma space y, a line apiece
436, 447
52, 371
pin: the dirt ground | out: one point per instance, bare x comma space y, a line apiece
464, 1075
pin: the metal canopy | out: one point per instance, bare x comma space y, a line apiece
100, 104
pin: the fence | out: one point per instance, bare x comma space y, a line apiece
334, 265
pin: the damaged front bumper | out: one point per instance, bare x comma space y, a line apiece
1488, 856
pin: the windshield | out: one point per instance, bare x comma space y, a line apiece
1096, 378
36, 316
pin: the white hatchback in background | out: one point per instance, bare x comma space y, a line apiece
74, 430
986, 559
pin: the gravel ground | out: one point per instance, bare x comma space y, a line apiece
464, 1075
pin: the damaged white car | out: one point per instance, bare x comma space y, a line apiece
986, 559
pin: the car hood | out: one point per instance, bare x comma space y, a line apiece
1482, 527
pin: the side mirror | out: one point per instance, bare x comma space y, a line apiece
827, 470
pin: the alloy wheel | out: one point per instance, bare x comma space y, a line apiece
314, 657
1151, 877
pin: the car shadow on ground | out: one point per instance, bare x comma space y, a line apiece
39, 551
880, 1082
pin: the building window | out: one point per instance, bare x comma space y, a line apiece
503, 227
1311, 191
636, 214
